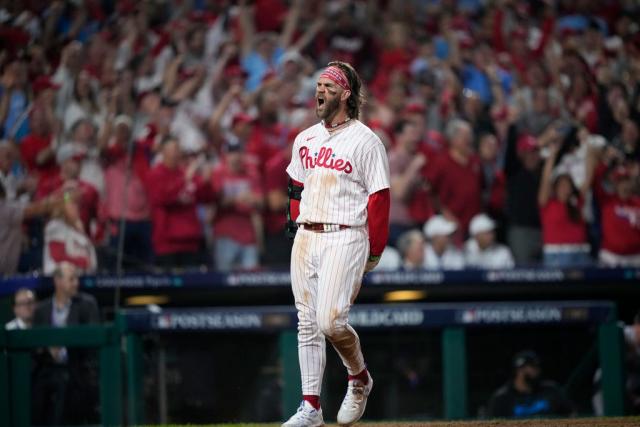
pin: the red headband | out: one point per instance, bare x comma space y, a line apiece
336, 75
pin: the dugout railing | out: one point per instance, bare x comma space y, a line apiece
124, 336
16, 348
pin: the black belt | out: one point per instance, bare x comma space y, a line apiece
323, 228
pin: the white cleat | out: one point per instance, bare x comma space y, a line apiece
354, 402
305, 416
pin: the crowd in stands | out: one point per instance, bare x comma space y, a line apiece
162, 130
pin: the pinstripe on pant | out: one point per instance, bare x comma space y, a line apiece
326, 274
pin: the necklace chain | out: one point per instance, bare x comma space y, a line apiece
330, 126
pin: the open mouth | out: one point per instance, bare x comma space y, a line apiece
320, 102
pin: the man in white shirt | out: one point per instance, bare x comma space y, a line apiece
412, 247
23, 307
440, 253
481, 250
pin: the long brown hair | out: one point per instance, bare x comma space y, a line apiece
572, 203
356, 100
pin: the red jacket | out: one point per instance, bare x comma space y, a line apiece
620, 219
458, 186
176, 227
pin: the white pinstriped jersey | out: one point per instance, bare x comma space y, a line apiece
339, 172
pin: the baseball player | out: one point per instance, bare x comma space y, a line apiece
339, 202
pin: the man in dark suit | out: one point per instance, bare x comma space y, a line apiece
64, 390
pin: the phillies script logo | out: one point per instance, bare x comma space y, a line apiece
324, 159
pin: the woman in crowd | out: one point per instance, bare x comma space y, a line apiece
564, 231
66, 240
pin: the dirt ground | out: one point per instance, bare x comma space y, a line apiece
571, 422
580, 422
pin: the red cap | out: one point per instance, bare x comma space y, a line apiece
568, 31
201, 16
414, 108
241, 118
235, 71
126, 7
466, 41
460, 23
621, 172
42, 83
177, 25
268, 76
519, 33
527, 143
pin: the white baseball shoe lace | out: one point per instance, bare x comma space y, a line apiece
355, 401
305, 416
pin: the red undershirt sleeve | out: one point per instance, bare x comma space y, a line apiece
294, 205
378, 220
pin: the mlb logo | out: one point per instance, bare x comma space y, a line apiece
469, 316
164, 322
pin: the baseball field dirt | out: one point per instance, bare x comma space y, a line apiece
576, 422
570, 422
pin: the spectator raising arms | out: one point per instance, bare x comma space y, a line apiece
461, 93
38, 148
69, 157
174, 190
12, 215
619, 208
125, 193
564, 230
237, 225
522, 170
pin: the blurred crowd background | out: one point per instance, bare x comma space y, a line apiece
146, 135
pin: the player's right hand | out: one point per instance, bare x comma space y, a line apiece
370, 265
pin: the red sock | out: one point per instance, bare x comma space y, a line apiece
313, 400
362, 376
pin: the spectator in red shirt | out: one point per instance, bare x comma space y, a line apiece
620, 216
456, 176
38, 150
120, 178
268, 135
411, 195
237, 225
581, 100
84, 194
521, 53
174, 192
564, 231
348, 40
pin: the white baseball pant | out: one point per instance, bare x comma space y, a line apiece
326, 274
